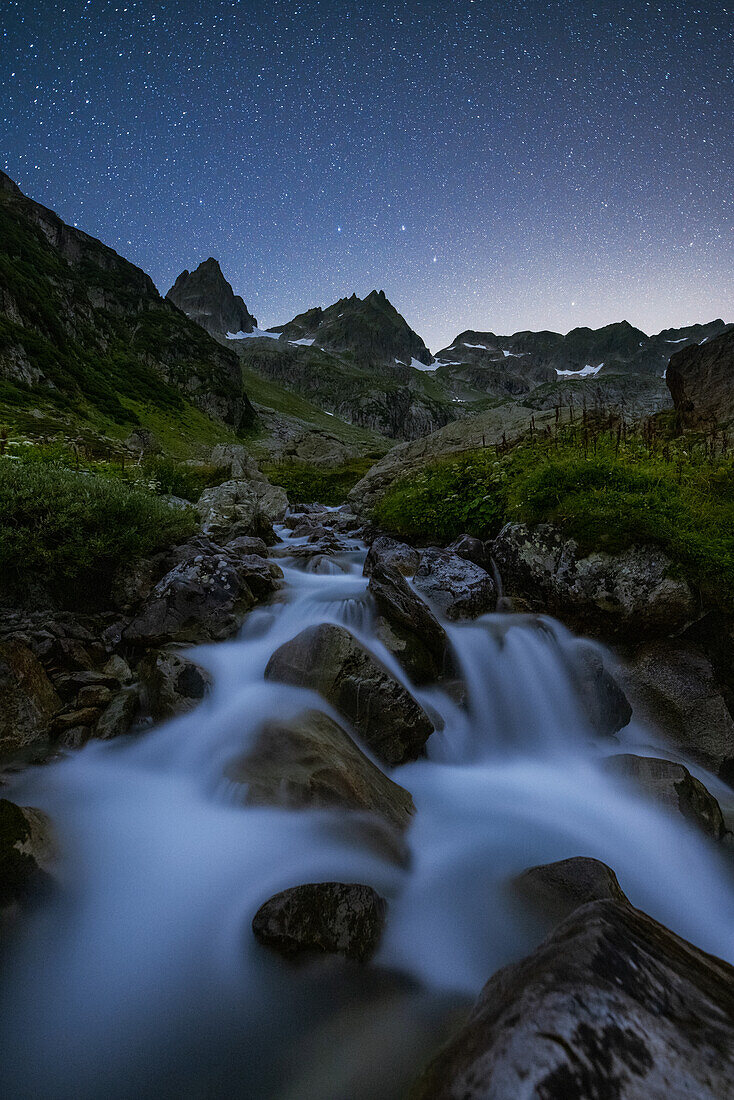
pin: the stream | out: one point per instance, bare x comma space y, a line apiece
141, 976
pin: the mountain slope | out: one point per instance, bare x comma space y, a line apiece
371, 328
701, 381
206, 297
84, 333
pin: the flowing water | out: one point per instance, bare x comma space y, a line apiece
141, 978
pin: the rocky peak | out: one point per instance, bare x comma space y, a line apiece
206, 297
701, 381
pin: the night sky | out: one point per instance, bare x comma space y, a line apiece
490, 165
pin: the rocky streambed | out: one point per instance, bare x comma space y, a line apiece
384, 781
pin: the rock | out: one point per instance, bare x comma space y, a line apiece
466, 546
143, 442
672, 685
118, 668
633, 594
325, 917
701, 382
132, 583
312, 761
555, 890
673, 786
408, 627
612, 1005
75, 716
242, 545
26, 851
237, 459
94, 695
457, 587
329, 660
389, 551
118, 718
604, 704
28, 701
263, 577
205, 598
240, 504
206, 297
70, 684
174, 684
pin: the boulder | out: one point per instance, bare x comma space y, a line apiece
603, 703
263, 577
333, 918
174, 685
701, 381
242, 545
672, 685
237, 460
407, 626
28, 701
329, 660
205, 598
612, 1005
244, 504
26, 851
634, 594
390, 552
118, 718
311, 761
458, 588
672, 786
466, 546
555, 890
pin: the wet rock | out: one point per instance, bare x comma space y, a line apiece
634, 594
174, 684
329, 660
118, 718
457, 587
74, 716
555, 890
604, 704
672, 685
612, 1005
390, 552
324, 917
28, 701
263, 577
242, 545
466, 546
407, 626
70, 684
312, 761
671, 785
205, 598
26, 852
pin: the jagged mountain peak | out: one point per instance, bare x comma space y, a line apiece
206, 297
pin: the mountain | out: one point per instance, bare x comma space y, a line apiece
701, 381
206, 297
370, 328
85, 334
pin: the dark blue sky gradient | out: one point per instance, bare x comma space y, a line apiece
490, 165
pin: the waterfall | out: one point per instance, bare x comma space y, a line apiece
141, 977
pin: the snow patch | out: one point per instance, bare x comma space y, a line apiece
482, 346
681, 341
256, 334
585, 372
306, 341
514, 354
417, 365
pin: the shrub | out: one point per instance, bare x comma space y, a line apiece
67, 532
305, 482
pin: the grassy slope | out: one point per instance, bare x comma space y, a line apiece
671, 495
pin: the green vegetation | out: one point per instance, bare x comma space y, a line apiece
607, 493
306, 483
65, 532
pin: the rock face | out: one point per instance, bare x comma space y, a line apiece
631, 594
407, 626
458, 588
673, 685
329, 660
312, 761
333, 918
28, 701
701, 382
104, 334
206, 297
612, 1005
555, 890
672, 786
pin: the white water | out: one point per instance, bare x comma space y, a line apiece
143, 979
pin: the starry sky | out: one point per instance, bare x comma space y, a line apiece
490, 165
